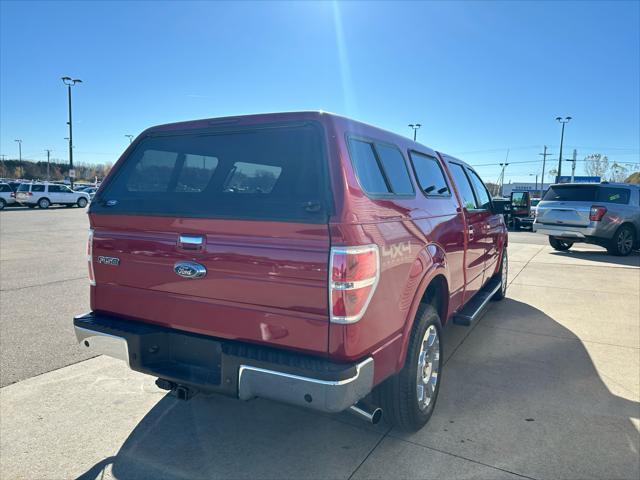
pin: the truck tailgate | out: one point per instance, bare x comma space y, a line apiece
264, 282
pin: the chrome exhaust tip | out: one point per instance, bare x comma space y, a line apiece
366, 412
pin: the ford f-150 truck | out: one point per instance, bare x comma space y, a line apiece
301, 257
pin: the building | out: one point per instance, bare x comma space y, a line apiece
524, 187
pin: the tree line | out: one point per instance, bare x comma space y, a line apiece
30, 170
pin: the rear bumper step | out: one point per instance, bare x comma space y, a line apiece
477, 304
232, 368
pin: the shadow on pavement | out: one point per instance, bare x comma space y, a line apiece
494, 382
633, 260
11, 208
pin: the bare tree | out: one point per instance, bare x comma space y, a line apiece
596, 165
618, 172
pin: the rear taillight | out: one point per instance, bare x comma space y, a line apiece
13, 195
92, 276
354, 274
596, 213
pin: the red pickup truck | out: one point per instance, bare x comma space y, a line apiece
301, 257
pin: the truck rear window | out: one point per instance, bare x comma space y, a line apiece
571, 193
275, 173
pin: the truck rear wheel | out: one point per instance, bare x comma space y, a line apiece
560, 245
409, 397
622, 242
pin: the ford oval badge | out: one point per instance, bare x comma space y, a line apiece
190, 270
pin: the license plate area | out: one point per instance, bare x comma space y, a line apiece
181, 357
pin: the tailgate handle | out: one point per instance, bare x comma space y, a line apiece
190, 242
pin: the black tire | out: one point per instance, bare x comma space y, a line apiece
398, 395
2, 204
504, 279
82, 202
560, 245
622, 242
44, 203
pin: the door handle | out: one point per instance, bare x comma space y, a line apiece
471, 231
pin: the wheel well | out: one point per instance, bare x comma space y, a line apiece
44, 198
437, 294
635, 230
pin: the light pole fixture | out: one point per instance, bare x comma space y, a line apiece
70, 82
504, 166
536, 175
19, 148
130, 137
563, 122
415, 127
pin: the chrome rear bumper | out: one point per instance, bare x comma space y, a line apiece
324, 386
327, 396
101, 343
563, 231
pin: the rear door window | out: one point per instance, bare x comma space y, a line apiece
54, 188
571, 193
4, 188
275, 173
463, 185
430, 175
613, 195
37, 188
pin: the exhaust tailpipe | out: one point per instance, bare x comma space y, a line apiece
366, 412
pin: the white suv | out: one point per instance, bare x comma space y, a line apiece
6, 195
45, 194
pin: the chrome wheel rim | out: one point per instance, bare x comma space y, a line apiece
428, 367
625, 241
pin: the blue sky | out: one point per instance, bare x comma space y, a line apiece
482, 77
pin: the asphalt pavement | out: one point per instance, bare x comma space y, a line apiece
545, 385
43, 284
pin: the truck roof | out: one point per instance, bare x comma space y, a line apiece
318, 115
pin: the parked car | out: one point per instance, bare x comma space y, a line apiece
7, 196
14, 185
605, 214
301, 257
45, 194
91, 191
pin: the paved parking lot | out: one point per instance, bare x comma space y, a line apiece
546, 385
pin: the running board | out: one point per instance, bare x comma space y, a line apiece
472, 310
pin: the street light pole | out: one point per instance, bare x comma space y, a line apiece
69, 82
19, 148
415, 127
544, 165
563, 122
48, 153
504, 166
130, 137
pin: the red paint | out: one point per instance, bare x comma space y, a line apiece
267, 282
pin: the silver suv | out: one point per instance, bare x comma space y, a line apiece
606, 214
